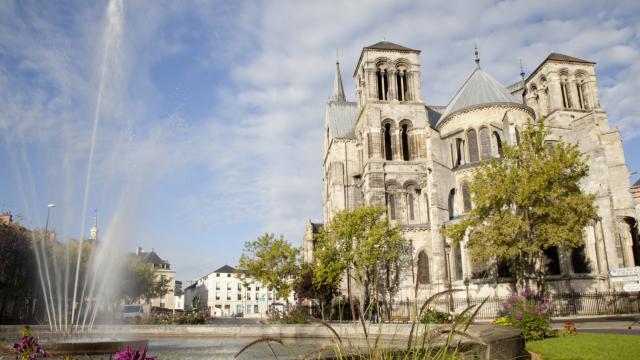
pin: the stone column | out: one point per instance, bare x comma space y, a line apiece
555, 93
401, 92
391, 77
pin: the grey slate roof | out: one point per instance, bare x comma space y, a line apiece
226, 269
387, 45
434, 112
342, 116
637, 183
563, 57
152, 258
479, 89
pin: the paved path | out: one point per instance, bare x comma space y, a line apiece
609, 325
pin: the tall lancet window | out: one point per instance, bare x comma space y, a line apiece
401, 84
383, 83
391, 205
485, 144
388, 153
472, 140
423, 268
405, 142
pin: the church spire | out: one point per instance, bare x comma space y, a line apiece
338, 89
475, 47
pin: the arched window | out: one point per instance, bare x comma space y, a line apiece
579, 261
383, 83
388, 153
405, 142
391, 205
466, 197
496, 136
472, 141
457, 255
459, 153
423, 268
452, 195
401, 83
517, 137
552, 265
485, 144
410, 199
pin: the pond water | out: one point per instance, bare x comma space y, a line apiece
214, 348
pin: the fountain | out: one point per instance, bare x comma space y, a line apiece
76, 286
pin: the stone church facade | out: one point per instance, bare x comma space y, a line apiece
391, 148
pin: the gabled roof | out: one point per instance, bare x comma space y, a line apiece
637, 183
387, 45
563, 57
479, 89
434, 112
559, 57
151, 257
226, 269
341, 117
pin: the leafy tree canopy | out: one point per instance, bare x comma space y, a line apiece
273, 262
526, 202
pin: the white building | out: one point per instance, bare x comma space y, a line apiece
228, 292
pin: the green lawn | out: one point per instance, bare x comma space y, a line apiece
587, 346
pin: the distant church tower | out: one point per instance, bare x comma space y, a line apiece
93, 232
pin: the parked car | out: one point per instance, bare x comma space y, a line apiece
134, 311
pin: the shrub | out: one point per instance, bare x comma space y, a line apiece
28, 347
569, 329
298, 315
433, 316
531, 316
503, 320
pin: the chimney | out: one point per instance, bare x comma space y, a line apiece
6, 218
139, 250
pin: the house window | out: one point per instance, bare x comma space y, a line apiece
552, 260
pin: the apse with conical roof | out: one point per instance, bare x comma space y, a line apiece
479, 89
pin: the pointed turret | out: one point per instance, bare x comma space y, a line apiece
338, 89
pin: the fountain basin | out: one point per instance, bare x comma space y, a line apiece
92, 347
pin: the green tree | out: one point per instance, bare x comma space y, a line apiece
273, 262
139, 281
18, 274
306, 287
526, 202
362, 242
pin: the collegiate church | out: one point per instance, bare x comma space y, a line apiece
390, 147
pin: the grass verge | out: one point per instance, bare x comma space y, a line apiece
587, 346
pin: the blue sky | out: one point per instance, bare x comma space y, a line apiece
210, 125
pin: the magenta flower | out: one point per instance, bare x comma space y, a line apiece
28, 346
130, 354
518, 316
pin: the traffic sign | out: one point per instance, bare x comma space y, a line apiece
625, 271
631, 287
625, 278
